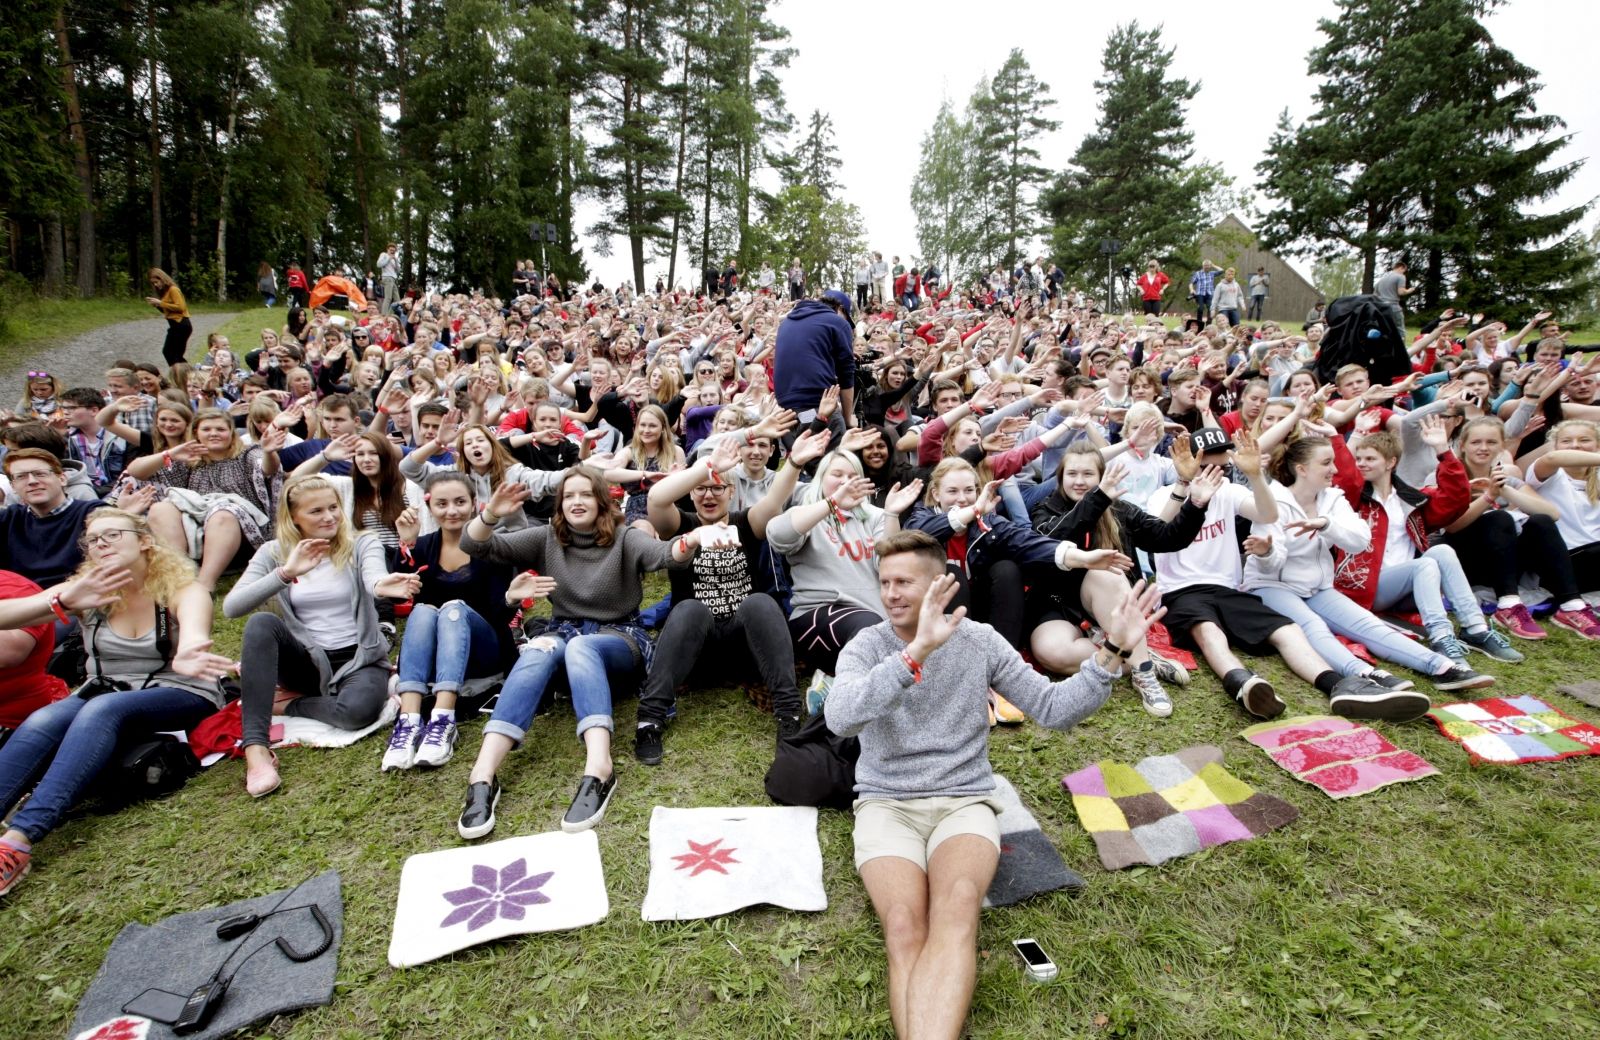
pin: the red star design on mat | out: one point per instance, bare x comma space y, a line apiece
705, 857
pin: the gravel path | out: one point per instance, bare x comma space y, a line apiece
83, 361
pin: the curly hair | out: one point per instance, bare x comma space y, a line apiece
167, 570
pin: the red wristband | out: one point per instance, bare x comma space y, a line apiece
911, 665
55, 608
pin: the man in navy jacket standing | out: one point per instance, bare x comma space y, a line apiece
815, 351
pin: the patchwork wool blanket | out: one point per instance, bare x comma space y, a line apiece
1513, 730
456, 898
1339, 757
1167, 806
708, 862
1029, 864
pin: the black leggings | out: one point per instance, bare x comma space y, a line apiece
821, 632
176, 346
993, 595
1494, 553
861, 295
1586, 567
693, 636
272, 658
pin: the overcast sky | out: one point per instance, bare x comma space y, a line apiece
882, 70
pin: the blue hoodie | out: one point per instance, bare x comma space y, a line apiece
813, 353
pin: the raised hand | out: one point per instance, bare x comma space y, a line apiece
1257, 545
272, 438
989, 498
186, 452
129, 402
829, 403
1307, 527
449, 427
399, 585
1433, 433
197, 662
1247, 453
306, 554
853, 492
808, 447
1204, 486
725, 454
100, 586
137, 501
1132, 618
507, 498
899, 499
859, 437
529, 586
341, 448
408, 525
776, 425
1111, 481
934, 626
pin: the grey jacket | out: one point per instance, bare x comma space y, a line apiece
260, 584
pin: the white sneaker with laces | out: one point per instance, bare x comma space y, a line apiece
438, 743
403, 742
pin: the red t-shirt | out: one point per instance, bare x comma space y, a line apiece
1231, 421
24, 688
1151, 286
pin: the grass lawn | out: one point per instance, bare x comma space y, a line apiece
1463, 905
42, 322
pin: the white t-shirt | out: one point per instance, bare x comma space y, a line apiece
1213, 557
1147, 480
1579, 522
1397, 547
323, 600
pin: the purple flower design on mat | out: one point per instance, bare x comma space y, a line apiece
496, 893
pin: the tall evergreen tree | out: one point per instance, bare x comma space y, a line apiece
1009, 122
815, 158
942, 193
1133, 178
1426, 139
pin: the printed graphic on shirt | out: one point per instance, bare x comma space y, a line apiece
721, 579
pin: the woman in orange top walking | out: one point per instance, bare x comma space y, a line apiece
173, 307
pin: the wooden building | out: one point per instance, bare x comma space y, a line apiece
1232, 244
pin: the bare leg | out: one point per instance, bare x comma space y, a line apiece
940, 991
1103, 592
597, 741
1296, 652
1214, 646
496, 746
221, 541
167, 524
1059, 647
899, 892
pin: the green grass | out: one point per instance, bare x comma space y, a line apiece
1463, 905
41, 322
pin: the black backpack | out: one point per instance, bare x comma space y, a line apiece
1362, 331
814, 767
144, 766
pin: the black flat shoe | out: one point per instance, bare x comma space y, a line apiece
589, 804
477, 816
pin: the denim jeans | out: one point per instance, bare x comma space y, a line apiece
445, 646
591, 663
1427, 579
75, 739
1330, 612
1018, 500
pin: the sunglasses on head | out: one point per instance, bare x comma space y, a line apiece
38, 375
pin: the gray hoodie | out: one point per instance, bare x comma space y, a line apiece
832, 562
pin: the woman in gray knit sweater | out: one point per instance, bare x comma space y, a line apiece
589, 565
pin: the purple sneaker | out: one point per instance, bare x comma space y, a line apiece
1582, 622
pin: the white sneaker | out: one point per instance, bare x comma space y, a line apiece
403, 742
438, 743
1155, 699
1169, 671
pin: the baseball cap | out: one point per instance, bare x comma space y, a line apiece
839, 297
1209, 438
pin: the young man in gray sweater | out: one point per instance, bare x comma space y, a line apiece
927, 839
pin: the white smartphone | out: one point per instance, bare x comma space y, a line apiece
1039, 965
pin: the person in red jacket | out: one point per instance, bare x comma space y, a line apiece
1152, 284
1398, 565
299, 285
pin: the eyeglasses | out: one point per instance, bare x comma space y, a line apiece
27, 475
108, 537
710, 489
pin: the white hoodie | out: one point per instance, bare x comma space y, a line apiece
1305, 567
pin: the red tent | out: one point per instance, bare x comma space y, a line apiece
331, 285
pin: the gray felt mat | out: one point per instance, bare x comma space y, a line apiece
181, 952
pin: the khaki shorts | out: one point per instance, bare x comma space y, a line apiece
912, 828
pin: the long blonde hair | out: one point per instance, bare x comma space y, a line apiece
167, 570
1591, 485
666, 455
288, 532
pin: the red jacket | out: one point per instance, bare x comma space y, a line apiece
1428, 509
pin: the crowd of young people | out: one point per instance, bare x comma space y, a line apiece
511, 470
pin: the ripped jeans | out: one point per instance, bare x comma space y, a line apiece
591, 662
444, 646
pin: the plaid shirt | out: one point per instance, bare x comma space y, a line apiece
142, 419
1203, 281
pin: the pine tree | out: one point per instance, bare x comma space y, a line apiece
1426, 138
941, 194
1009, 121
1133, 179
815, 157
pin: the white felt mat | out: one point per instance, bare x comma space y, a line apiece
706, 862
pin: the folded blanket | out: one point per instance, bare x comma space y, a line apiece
456, 898
1029, 864
1587, 691
707, 862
